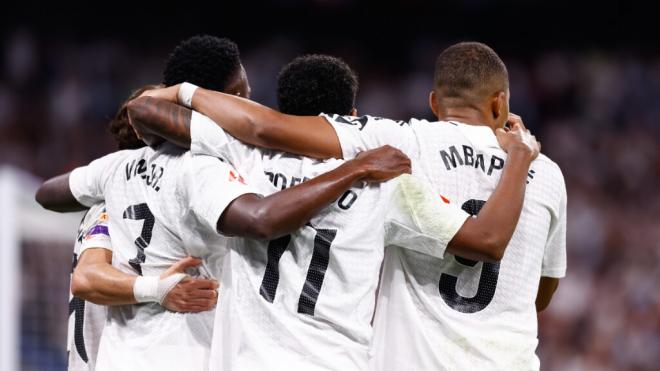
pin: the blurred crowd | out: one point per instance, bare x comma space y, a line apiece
596, 114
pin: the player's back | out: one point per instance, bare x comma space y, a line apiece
150, 203
303, 301
454, 313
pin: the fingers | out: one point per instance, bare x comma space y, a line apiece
514, 119
185, 263
201, 284
186, 306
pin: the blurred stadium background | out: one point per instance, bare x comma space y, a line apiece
585, 78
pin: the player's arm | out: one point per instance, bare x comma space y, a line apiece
55, 194
547, 288
554, 258
249, 122
486, 236
97, 281
81, 188
286, 211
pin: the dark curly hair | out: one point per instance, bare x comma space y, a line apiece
121, 129
312, 84
207, 61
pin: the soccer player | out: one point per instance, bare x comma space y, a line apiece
454, 313
95, 283
290, 309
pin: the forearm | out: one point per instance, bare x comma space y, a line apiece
487, 235
261, 126
285, 212
55, 194
101, 283
158, 117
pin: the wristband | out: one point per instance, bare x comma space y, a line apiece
152, 289
185, 94
145, 289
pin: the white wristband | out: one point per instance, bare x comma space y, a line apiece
154, 290
145, 289
185, 95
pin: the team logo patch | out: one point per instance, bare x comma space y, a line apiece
96, 230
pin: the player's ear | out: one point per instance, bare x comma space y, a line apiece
433, 103
353, 112
498, 105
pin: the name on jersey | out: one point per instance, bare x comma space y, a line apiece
453, 157
150, 174
282, 182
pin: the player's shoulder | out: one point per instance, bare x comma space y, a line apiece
546, 179
361, 122
549, 166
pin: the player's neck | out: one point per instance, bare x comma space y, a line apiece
468, 116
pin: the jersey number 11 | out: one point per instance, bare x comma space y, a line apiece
315, 273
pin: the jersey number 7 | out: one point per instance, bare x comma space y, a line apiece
315, 273
141, 212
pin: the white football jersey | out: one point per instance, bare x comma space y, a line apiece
163, 205
454, 313
306, 301
86, 320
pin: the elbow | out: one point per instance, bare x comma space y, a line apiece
40, 197
263, 226
492, 249
81, 285
45, 199
540, 307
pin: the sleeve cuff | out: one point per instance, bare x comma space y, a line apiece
350, 146
76, 179
553, 272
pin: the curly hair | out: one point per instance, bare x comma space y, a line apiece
312, 84
119, 126
207, 61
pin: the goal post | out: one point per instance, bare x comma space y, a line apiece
23, 220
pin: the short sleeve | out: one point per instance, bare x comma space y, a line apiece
95, 233
212, 186
87, 183
208, 138
357, 134
419, 220
554, 258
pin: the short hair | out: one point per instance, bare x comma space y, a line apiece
469, 71
312, 84
207, 61
119, 126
